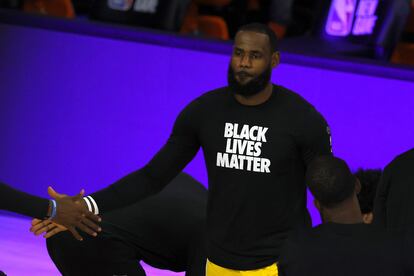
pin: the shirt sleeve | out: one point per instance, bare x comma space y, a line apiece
315, 139
22, 203
179, 150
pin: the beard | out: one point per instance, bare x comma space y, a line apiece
252, 87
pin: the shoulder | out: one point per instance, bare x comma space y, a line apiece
291, 98
199, 108
213, 95
402, 162
407, 156
208, 98
297, 105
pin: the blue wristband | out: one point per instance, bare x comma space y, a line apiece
53, 209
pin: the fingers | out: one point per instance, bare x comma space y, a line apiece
54, 231
45, 229
94, 218
86, 229
43, 224
75, 234
79, 196
93, 226
36, 221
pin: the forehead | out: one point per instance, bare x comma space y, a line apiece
252, 41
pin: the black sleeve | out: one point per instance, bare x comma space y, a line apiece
179, 150
315, 139
380, 201
22, 203
408, 252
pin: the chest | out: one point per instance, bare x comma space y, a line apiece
250, 142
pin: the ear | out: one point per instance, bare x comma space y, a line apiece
275, 59
357, 186
368, 218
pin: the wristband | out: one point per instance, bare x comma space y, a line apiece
54, 207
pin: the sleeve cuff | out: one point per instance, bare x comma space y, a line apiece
92, 206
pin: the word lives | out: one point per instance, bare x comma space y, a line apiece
244, 148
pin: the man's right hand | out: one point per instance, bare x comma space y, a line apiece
72, 212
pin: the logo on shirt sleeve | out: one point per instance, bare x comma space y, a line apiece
244, 148
328, 131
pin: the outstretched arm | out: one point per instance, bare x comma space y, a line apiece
179, 150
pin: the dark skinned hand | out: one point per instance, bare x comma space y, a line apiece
72, 213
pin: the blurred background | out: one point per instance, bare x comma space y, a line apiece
372, 29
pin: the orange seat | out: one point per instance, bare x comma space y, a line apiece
409, 28
403, 54
206, 25
61, 8
213, 26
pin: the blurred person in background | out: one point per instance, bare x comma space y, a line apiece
369, 179
343, 240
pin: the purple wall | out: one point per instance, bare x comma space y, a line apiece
82, 111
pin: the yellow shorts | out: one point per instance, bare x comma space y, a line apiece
215, 270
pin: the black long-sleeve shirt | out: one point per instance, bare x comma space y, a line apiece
256, 158
22, 203
347, 249
394, 202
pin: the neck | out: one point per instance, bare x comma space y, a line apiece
258, 98
347, 212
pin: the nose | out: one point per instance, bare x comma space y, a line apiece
245, 61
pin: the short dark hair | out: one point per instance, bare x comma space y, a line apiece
263, 29
369, 179
330, 180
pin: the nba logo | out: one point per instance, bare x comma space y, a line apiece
340, 18
120, 5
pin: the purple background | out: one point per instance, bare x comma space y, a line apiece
82, 111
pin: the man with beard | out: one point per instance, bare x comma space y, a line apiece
257, 140
369, 179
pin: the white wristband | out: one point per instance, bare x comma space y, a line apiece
95, 206
88, 204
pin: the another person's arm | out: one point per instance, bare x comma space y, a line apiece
23, 203
63, 209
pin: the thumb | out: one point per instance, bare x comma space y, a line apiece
79, 196
52, 193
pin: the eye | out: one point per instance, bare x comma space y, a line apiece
255, 56
237, 53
